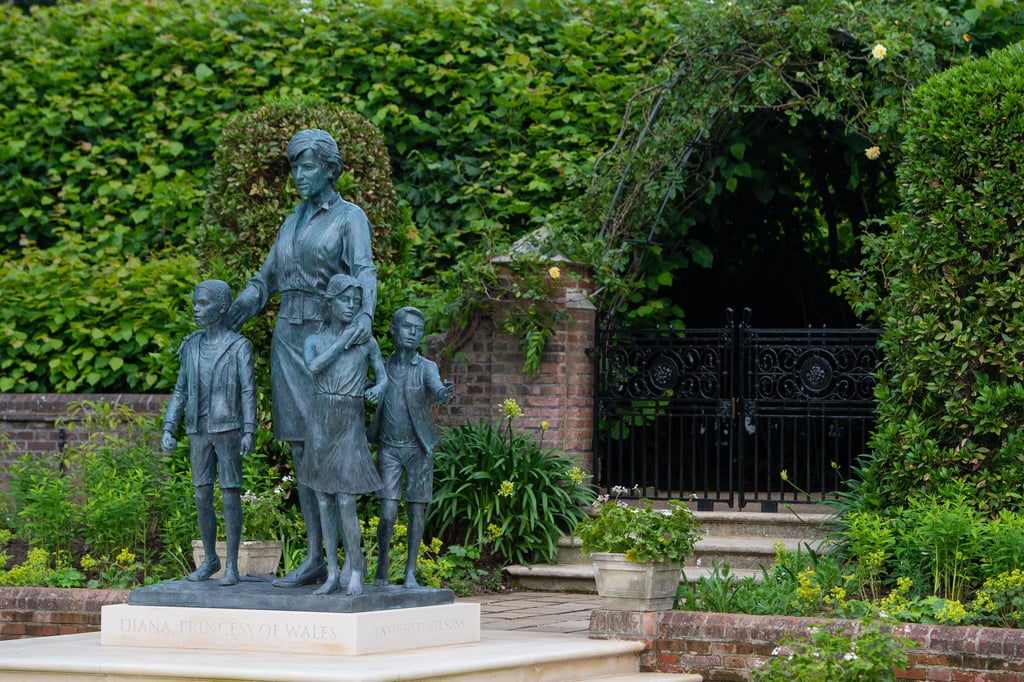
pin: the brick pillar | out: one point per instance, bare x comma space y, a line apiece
487, 368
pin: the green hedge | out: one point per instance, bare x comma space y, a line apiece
945, 281
112, 113
83, 316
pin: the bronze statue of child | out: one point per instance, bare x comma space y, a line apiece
403, 428
338, 465
215, 393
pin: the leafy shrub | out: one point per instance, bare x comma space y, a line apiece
869, 541
1003, 544
267, 511
801, 583
1000, 601
42, 569
504, 494
940, 541
868, 652
943, 278
85, 316
95, 146
106, 496
490, 111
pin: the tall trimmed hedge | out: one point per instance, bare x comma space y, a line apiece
945, 281
112, 113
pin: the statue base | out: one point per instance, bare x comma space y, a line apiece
293, 632
256, 616
259, 594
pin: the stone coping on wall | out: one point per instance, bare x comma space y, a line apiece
722, 646
45, 611
33, 406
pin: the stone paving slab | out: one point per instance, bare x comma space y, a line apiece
536, 611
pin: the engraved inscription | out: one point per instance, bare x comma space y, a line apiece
418, 627
230, 628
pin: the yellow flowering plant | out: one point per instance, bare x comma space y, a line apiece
502, 492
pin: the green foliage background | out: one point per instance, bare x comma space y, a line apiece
498, 118
944, 280
111, 115
742, 154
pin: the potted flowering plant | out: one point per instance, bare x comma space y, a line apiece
638, 551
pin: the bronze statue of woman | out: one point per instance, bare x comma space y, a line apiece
323, 237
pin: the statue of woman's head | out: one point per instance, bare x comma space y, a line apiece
323, 146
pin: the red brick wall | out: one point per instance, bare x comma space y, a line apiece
726, 647
45, 611
29, 421
487, 368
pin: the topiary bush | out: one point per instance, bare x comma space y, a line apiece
944, 280
250, 190
251, 193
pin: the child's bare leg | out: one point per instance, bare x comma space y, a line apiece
385, 528
416, 520
351, 537
329, 527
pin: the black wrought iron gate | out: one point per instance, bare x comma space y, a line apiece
734, 415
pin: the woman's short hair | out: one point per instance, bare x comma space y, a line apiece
324, 148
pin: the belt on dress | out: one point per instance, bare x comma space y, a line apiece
299, 306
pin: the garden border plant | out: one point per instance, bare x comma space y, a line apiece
502, 493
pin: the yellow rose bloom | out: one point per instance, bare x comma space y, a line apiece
555, 272
879, 51
873, 152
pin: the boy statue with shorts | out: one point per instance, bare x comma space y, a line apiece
403, 427
215, 393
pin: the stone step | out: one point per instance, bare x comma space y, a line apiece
651, 677
579, 578
746, 552
499, 657
776, 526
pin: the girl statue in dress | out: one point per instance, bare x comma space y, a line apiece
338, 465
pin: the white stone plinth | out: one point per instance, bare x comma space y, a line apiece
365, 632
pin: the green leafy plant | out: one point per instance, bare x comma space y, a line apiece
64, 327
643, 533
800, 583
869, 541
867, 652
5, 537
105, 496
1003, 542
268, 512
503, 493
43, 569
942, 277
939, 542
119, 572
1000, 601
